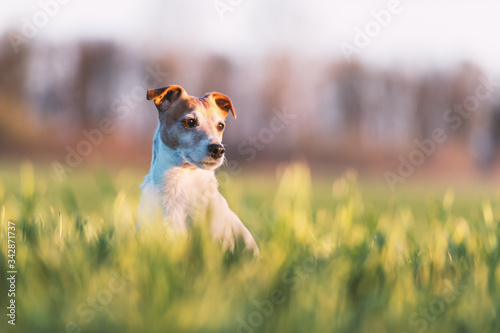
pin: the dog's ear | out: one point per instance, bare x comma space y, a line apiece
222, 101
165, 96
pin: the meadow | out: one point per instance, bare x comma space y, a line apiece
338, 255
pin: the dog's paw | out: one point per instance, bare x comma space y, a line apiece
252, 249
228, 244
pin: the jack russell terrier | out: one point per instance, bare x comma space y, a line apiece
186, 151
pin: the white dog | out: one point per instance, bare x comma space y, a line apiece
186, 151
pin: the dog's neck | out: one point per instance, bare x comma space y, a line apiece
163, 159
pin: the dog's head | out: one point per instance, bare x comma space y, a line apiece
193, 126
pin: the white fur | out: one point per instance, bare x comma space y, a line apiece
178, 191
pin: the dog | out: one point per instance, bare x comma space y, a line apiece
187, 150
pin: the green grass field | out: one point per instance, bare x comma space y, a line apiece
336, 256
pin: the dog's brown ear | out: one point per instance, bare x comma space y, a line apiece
223, 102
166, 94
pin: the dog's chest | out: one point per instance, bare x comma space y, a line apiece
187, 189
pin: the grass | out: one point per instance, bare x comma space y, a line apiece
338, 257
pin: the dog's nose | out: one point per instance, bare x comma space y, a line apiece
216, 150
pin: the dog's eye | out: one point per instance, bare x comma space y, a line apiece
220, 126
189, 122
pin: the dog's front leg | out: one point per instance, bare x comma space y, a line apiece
226, 227
155, 206
175, 215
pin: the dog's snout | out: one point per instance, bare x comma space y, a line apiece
216, 150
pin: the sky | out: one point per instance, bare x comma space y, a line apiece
422, 33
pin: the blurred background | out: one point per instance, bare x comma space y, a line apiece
404, 89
